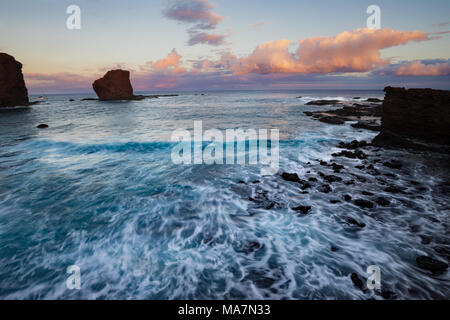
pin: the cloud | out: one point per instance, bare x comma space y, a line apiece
260, 24
349, 51
420, 68
200, 16
206, 38
312, 62
443, 24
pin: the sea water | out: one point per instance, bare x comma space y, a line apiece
98, 190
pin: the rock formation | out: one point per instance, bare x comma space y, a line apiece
115, 85
419, 114
12, 86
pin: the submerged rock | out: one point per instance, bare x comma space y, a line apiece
371, 125
13, 91
291, 177
431, 264
355, 223
358, 154
331, 179
323, 102
382, 201
393, 164
355, 144
364, 203
357, 282
302, 209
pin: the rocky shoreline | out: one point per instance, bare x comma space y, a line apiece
360, 164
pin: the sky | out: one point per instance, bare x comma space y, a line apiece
229, 44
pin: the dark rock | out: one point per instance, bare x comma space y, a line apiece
71, 100
299, 97
13, 91
312, 179
393, 164
382, 201
351, 155
251, 247
394, 189
89, 99
356, 98
332, 120
431, 264
305, 185
388, 295
443, 251
422, 114
355, 144
357, 281
42, 126
355, 223
367, 125
242, 182
364, 203
335, 201
376, 100
325, 188
425, 239
323, 102
337, 167
331, 179
302, 209
115, 85
291, 177
367, 193
347, 197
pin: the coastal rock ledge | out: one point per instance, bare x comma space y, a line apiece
415, 118
13, 91
115, 85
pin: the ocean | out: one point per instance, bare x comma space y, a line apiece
98, 189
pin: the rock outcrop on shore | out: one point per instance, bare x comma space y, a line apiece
419, 114
13, 91
115, 85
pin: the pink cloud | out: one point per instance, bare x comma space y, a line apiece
417, 68
270, 63
355, 51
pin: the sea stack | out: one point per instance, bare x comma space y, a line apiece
419, 114
115, 85
13, 91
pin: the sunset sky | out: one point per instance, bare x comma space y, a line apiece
229, 44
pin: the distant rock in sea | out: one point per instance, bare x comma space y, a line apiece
13, 91
115, 85
422, 115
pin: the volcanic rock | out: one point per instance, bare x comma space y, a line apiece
12, 86
421, 114
115, 85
